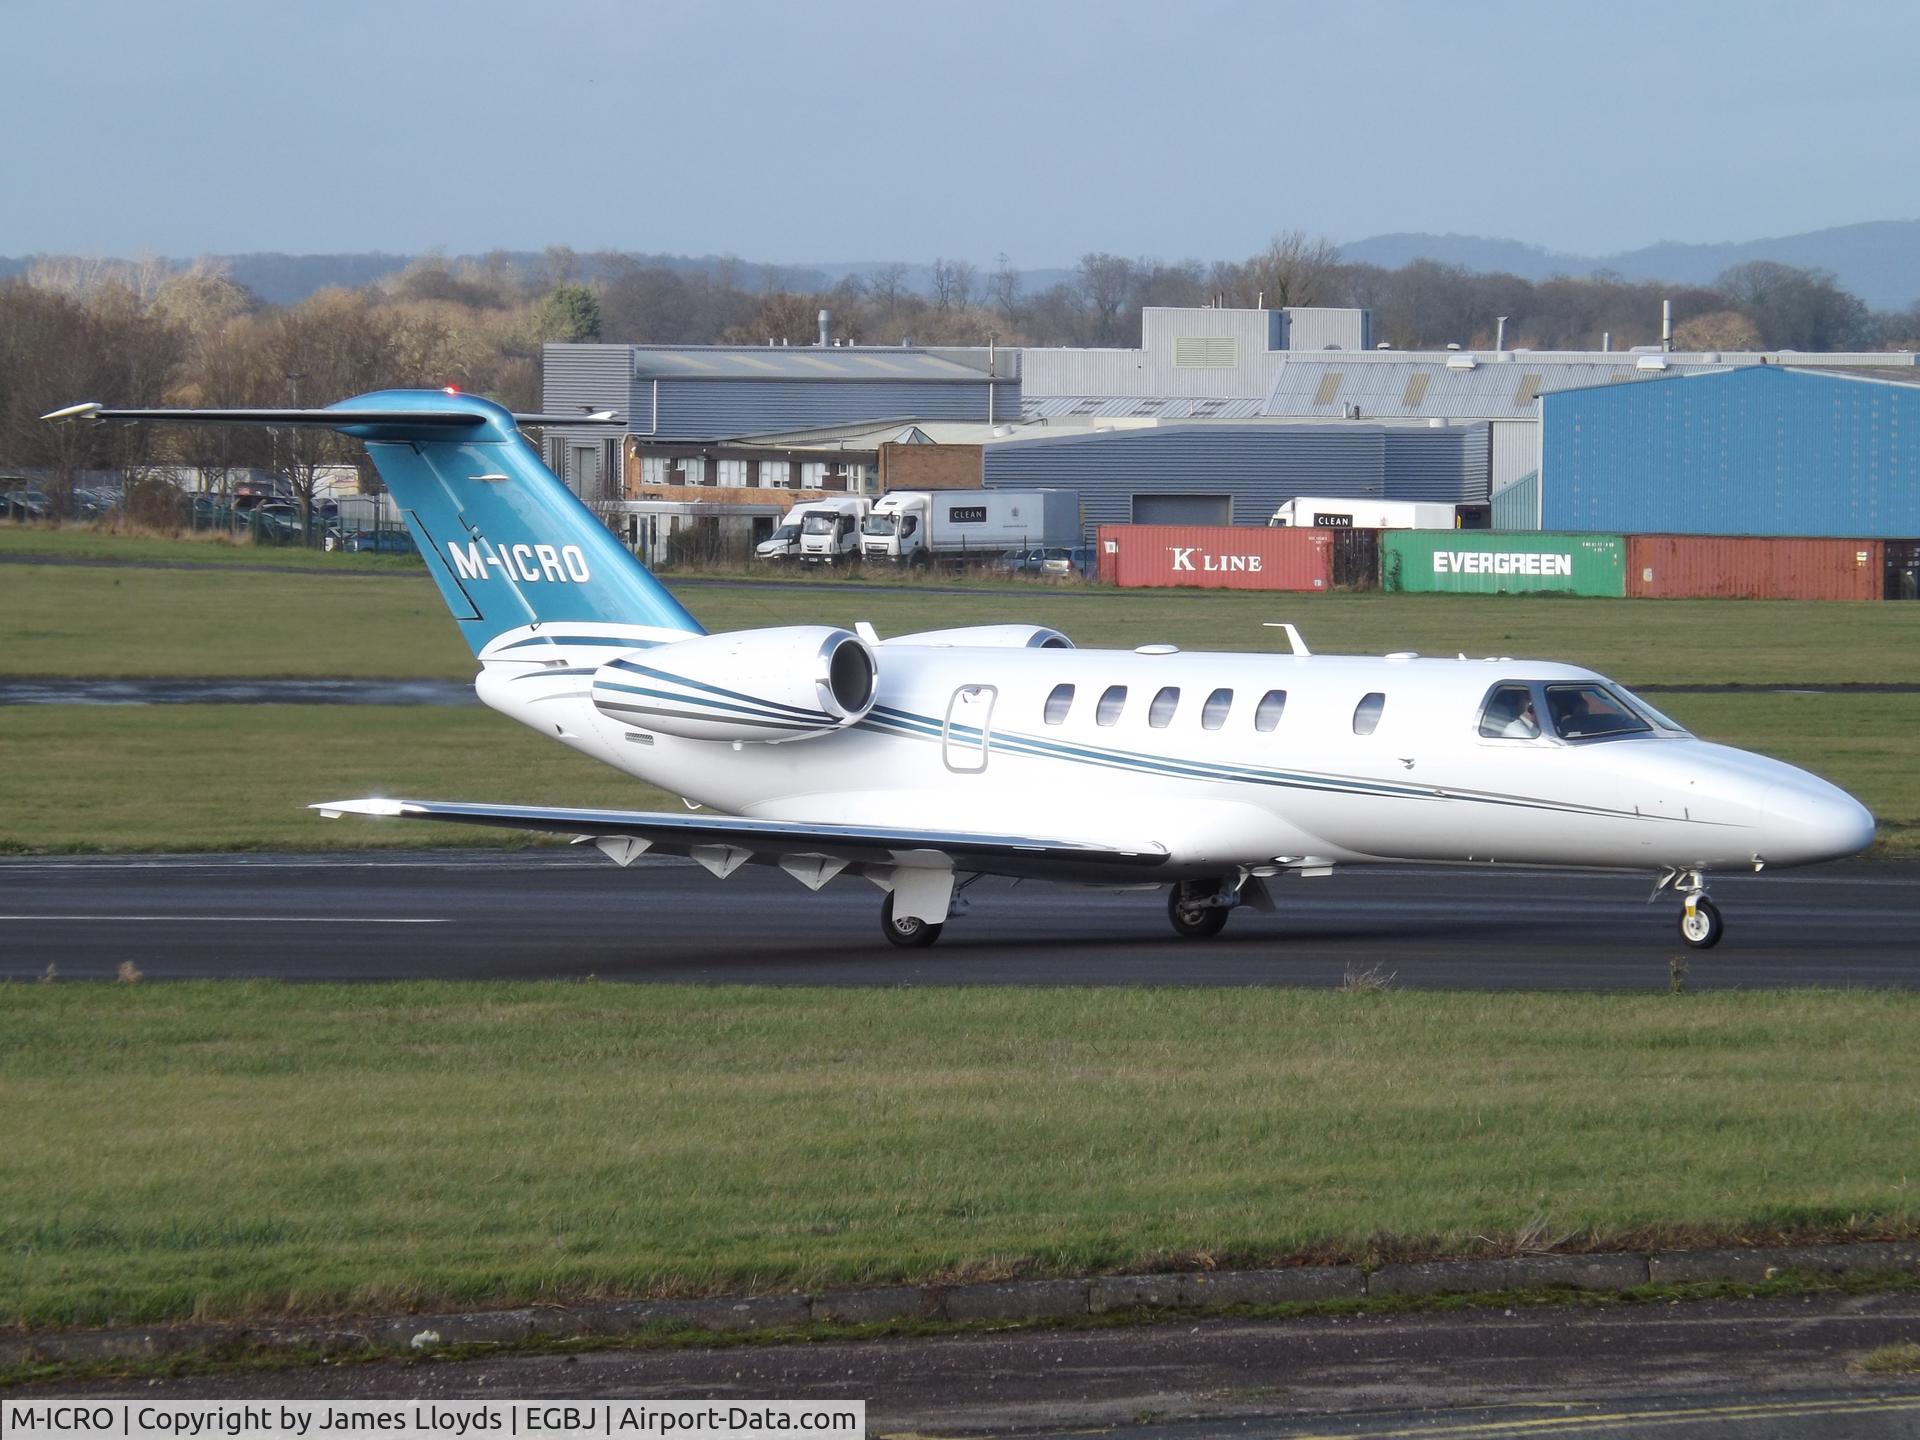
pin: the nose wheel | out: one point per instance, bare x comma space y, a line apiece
1700, 923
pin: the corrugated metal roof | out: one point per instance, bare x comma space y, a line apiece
1141, 407
800, 362
1309, 387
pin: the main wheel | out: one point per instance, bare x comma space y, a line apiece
1192, 917
1701, 925
905, 931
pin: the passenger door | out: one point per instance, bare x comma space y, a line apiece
967, 735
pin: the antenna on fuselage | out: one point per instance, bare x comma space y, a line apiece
1298, 645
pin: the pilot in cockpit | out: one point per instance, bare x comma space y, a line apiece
1524, 725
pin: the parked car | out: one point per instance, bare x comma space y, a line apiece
27, 504
1051, 560
375, 542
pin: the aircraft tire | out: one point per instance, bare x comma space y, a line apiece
908, 934
1191, 924
1701, 927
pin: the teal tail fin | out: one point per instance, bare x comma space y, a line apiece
507, 543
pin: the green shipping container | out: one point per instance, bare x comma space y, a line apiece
1496, 562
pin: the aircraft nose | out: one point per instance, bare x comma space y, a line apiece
1808, 820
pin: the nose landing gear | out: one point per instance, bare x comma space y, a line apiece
1700, 924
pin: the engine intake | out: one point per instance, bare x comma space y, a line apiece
788, 683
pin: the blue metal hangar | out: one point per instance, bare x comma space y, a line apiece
1761, 450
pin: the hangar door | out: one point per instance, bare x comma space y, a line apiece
1183, 509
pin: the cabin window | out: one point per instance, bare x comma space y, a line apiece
1214, 713
1112, 701
1591, 712
1160, 713
1366, 715
1509, 714
1058, 703
1266, 715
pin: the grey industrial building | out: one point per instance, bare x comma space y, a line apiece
1240, 474
729, 436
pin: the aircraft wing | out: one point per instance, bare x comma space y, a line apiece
724, 842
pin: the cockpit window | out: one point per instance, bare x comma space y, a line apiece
1591, 712
1510, 714
1366, 715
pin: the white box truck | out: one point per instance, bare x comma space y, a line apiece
786, 541
916, 527
830, 529
1318, 512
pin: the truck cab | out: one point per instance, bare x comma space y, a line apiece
896, 528
830, 530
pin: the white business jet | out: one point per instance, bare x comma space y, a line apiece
922, 762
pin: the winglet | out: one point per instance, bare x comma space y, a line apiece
1298, 645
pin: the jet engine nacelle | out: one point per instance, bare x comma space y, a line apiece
753, 685
991, 637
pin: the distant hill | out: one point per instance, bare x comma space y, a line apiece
1879, 261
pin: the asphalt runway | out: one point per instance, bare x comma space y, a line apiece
1757, 1369
488, 915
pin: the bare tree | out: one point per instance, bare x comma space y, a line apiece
952, 283
1003, 289
1107, 281
886, 284
1295, 269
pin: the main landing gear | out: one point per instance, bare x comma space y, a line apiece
905, 931
1199, 908
1700, 924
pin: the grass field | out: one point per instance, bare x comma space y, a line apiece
135, 621
243, 1149
224, 777
83, 542
239, 777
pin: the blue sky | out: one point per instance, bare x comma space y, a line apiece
843, 129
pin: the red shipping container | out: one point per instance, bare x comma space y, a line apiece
1752, 567
1218, 557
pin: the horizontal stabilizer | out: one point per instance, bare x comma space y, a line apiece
330, 419
768, 842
